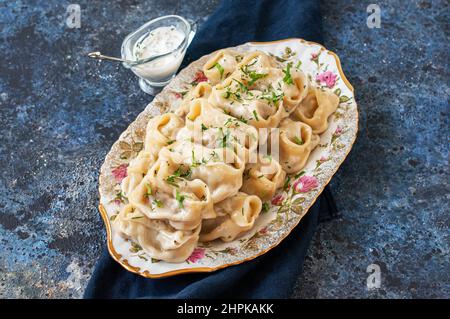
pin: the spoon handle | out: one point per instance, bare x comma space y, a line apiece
98, 55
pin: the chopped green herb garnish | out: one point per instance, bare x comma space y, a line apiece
170, 142
287, 74
255, 115
265, 207
236, 95
298, 140
172, 180
224, 142
230, 121
242, 86
204, 128
252, 75
255, 77
182, 173
180, 199
219, 68
242, 120
227, 122
251, 64
271, 96
157, 203
195, 162
149, 190
179, 173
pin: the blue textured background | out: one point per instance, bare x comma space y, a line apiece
60, 113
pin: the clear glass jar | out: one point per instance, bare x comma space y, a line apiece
155, 72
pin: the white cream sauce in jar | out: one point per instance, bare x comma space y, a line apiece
156, 42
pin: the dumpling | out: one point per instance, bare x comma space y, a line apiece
212, 128
236, 215
183, 208
265, 114
157, 237
274, 84
136, 170
220, 170
263, 178
161, 130
256, 71
315, 109
297, 141
294, 93
168, 192
220, 66
201, 90
257, 61
257, 108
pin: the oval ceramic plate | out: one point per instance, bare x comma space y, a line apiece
323, 68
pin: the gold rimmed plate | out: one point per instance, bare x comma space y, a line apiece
287, 208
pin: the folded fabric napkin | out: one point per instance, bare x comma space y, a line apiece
274, 274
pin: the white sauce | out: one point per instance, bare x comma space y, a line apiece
159, 41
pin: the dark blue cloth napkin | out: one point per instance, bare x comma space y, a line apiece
274, 274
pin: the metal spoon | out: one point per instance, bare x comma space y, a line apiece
99, 56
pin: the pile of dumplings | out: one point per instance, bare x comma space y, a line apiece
201, 175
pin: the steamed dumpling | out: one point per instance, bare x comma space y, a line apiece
201, 90
220, 66
236, 215
252, 107
157, 237
161, 131
263, 178
294, 93
297, 141
136, 170
212, 128
315, 109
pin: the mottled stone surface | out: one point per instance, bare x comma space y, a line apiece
393, 189
60, 113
